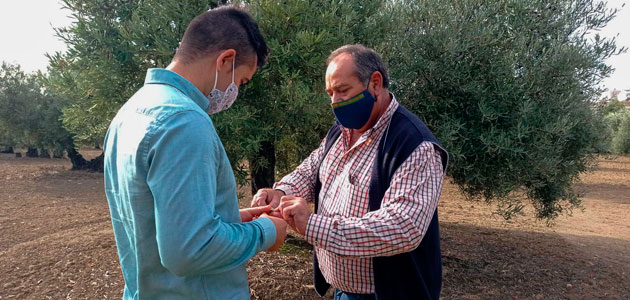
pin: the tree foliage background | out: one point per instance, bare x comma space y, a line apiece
284, 114
617, 119
30, 115
507, 86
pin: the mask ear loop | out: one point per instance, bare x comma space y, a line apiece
216, 78
233, 60
216, 75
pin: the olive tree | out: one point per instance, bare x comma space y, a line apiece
508, 87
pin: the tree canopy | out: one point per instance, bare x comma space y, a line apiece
506, 85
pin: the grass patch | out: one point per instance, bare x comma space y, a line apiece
295, 245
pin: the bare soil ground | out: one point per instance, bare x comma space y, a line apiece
56, 242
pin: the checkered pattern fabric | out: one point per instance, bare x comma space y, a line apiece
346, 235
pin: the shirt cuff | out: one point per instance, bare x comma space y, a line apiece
268, 232
318, 230
284, 187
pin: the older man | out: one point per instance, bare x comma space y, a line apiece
376, 180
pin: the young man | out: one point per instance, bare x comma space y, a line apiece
169, 184
376, 180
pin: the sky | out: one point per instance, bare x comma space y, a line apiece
620, 25
26, 32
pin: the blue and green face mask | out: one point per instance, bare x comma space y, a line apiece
354, 112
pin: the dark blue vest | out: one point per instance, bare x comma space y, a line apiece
411, 275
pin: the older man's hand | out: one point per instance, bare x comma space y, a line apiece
267, 197
296, 212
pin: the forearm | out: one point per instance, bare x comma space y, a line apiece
407, 209
212, 248
301, 182
193, 220
380, 233
296, 184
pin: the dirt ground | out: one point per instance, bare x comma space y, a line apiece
56, 242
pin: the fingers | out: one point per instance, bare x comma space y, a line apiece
296, 212
260, 199
248, 214
291, 209
287, 198
275, 201
257, 211
285, 210
287, 215
276, 214
286, 201
267, 197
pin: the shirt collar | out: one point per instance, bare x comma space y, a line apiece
379, 127
384, 119
387, 116
163, 76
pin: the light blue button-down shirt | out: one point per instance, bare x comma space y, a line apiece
172, 198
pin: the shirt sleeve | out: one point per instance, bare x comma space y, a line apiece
184, 155
301, 182
401, 222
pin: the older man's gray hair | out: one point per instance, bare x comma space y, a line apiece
366, 62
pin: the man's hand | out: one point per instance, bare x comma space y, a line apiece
296, 211
267, 197
281, 231
248, 214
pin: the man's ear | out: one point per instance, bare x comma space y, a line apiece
376, 82
225, 59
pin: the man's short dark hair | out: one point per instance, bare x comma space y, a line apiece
366, 62
222, 28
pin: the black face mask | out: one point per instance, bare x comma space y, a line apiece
354, 112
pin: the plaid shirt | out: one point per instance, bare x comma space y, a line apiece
346, 235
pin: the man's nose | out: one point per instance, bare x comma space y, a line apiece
336, 98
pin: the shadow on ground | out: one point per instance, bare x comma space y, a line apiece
485, 263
